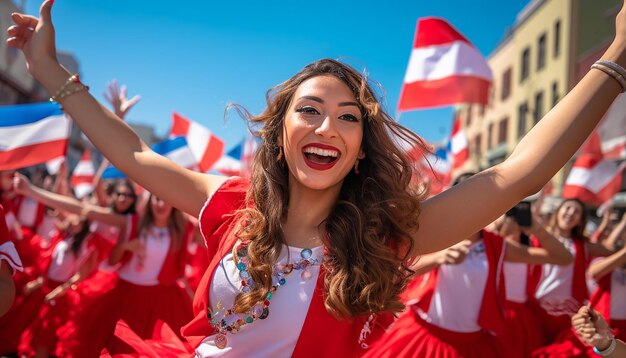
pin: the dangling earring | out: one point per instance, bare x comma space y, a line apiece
356, 167
280, 154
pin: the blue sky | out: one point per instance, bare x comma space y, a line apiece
194, 57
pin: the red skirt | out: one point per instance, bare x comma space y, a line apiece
42, 333
141, 307
411, 336
21, 314
569, 345
522, 333
89, 292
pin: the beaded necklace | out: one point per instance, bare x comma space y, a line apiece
261, 309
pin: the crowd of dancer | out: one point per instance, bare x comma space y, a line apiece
328, 249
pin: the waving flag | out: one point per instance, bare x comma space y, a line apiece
175, 149
239, 159
83, 175
32, 134
205, 146
593, 179
458, 145
444, 69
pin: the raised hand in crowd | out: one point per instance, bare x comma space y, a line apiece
116, 96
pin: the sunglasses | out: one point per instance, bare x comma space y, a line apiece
125, 195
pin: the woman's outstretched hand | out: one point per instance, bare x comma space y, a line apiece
34, 36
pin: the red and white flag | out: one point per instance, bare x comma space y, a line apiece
458, 145
205, 146
593, 179
83, 175
444, 69
32, 134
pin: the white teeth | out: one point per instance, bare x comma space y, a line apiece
322, 152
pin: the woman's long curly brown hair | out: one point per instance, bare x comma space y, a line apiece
368, 232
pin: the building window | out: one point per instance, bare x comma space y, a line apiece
538, 106
506, 84
477, 145
557, 38
522, 111
541, 51
525, 69
503, 128
555, 93
490, 136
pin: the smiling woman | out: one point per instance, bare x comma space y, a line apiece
329, 198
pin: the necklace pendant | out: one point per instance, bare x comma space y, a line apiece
220, 341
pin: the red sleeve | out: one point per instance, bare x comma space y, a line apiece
4, 231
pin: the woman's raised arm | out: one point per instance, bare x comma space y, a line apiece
185, 189
542, 152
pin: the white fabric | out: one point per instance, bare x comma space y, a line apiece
275, 336
45, 130
9, 254
145, 265
109, 233
594, 179
10, 219
458, 296
46, 230
554, 291
28, 212
515, 277
441, 61
618, 294
64, 263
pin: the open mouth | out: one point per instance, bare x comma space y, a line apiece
320, 158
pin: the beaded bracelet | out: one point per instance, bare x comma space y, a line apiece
66, 90
613, 73
607, 351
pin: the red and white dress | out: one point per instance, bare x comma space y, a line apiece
8, 253
559, 293
9, 337
61, 267
456, 309
145, 292
298, 324
608, 298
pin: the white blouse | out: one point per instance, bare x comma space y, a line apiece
275, 336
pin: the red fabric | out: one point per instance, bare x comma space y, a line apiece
522, 334
27, 155
601, 298
433, 31
140, 306
443, 92
592, 160
579, 282
410, 336
42, 331
41, 210
491, 316
218, 224
4, 231
89, 291
174, 265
